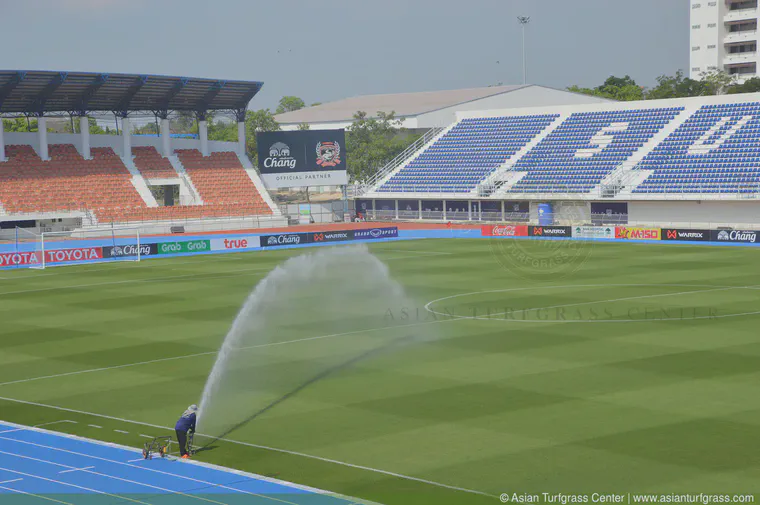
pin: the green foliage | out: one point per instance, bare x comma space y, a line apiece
315, 104
372, 142
185, 122
20, 124
304, 126
222, 130
289, 104
261, 120
94, 127
713, 82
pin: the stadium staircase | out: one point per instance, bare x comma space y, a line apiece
505, 177
185, 182
139, 182
254, 176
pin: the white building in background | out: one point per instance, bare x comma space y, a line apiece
429, 109
724, 35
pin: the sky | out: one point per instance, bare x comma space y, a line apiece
324, 50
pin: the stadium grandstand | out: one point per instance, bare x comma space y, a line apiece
64, 181
634, 157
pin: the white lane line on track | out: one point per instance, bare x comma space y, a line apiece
97, 491
37, 426
139, 467
77, 469
9, 481
209, 353
256, 446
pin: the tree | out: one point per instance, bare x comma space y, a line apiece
677, 86
222, 130
20, 124
717, 82
304, 126
614, 88
289, 104
261, 120
749, 86
185, 122
315, 104
372, 142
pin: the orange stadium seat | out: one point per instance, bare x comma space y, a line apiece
151, 164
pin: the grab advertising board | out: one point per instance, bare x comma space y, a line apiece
627, 233
504, 230
189, 246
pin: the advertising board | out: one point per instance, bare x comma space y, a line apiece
688, 235
741, 236
129, 250
30, 258
236, 243
549, 231
628, 233
594, 232
375, 233
189, 246
504, 230
333, 236
302, 158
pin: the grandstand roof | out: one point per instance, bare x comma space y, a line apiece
35, 92
403, 104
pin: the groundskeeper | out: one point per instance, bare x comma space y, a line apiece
185, 424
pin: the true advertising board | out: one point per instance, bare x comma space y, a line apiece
740, 236
594, 232
189, 246
79, 255
629, 233
236, 243
685, 235
504, 230
549, 231
302, 158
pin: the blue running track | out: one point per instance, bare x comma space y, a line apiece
43, 467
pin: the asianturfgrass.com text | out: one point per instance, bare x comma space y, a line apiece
624, 498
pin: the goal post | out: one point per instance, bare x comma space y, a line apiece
48, 249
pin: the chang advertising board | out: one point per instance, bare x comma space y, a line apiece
375, 233
504, 230
594, 232
129, 250
549, 231
741, 236
302, 158
685, 235
285, 239
626, 233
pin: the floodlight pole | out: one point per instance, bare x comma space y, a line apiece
524, 20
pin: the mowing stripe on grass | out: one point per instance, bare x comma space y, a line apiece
256, 446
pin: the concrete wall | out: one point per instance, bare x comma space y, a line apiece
687, 214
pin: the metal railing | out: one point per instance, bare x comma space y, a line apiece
401, 158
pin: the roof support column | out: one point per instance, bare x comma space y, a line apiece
84, 132
203, 133
42, 131
2, 141
126, 136
166, 138
240, 115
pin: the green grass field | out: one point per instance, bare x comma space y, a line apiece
635, 368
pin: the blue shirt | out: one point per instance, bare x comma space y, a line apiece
186, 422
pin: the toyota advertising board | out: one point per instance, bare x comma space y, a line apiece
594, 232
302, 158
627, 233
549, 231
741, 236
375, 233
685, 235
504, 230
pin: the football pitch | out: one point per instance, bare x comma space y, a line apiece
603, 368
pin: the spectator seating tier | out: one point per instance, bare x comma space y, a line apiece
151, 164
716, 150
467, 154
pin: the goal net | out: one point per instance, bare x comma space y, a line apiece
48, 249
